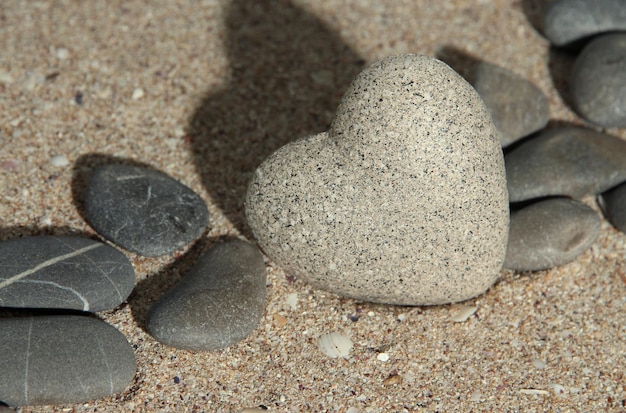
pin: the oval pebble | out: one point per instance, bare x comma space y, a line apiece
599, 81
566, 161
550, 233
63, 272
61, 360
567, 21
217, 304
517, 107
335, 345
143, 210
614, 205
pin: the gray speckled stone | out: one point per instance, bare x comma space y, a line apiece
217, 304
567, 21
567, 161
142, 210
403, 201
517, 107
61, 360
550, 233
599, 80
63, 272
614, 204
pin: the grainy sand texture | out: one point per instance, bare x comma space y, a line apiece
204, 91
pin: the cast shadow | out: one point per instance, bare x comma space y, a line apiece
288, 73
461, 61
535, 10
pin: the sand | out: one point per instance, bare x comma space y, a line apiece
204, 91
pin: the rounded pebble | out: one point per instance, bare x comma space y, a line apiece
550, 233
61, 360
142, 210
599, 81
613, 203
219, 303
63, 272
403, 201
565, 161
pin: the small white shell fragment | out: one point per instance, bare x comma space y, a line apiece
335, 345
559, 389
62, 53
538, 363
353, 410
534, 391
476, 396
463, 312
59, 160
382, 357
138, 93
252, 410
292, 301
401, 317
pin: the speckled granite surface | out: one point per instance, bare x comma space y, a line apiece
204, 91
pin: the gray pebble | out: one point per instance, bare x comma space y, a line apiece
614, 205
61, 360
567, 21
599, 81
566, 161
142, 210
63, 272
217, 304
517, 107
550, 233
403, 201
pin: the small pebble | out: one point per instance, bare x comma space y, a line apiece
143, 210
538, 363
613, 203
138, 93
463, 312
292, 301
335, 345
567, 21
599, 81
59, 160
382, 357
550, 233
66, 272
62, 53
566, 161
219, 303
62, 360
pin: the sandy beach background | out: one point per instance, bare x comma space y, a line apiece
204, 91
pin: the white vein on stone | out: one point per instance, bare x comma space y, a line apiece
61, 287
30, 331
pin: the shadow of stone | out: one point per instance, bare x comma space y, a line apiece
288, 73
560, 65
535, 10
461, 61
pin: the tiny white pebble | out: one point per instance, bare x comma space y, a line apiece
62, 53
476, 396
401, 317
371, 314
558, 389
59, 160
335, 345
382, 357
538, 363
138, 93
463, 313
292, 301
353, 410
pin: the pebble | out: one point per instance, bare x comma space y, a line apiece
217, 304
403, 201
567, 161
599, 81
550, 233
614, 205
143, 210
567, 21
517, 107
63, 272
61, 360
59, 160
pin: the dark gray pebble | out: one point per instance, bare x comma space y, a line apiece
566, 161
63, 272
217, 304
614, 205
550, 233
144, 211
567, 21
599, 81
517, 107
61, 360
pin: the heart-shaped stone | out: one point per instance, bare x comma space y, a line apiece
403, 201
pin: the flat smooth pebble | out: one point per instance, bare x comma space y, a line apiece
63, 272
614, 205
219, 303
567, 21
550, 233
62, 360
142, 210
517, 107
403, 201
565, 161
599, 81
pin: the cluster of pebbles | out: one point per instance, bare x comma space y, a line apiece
407, 199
